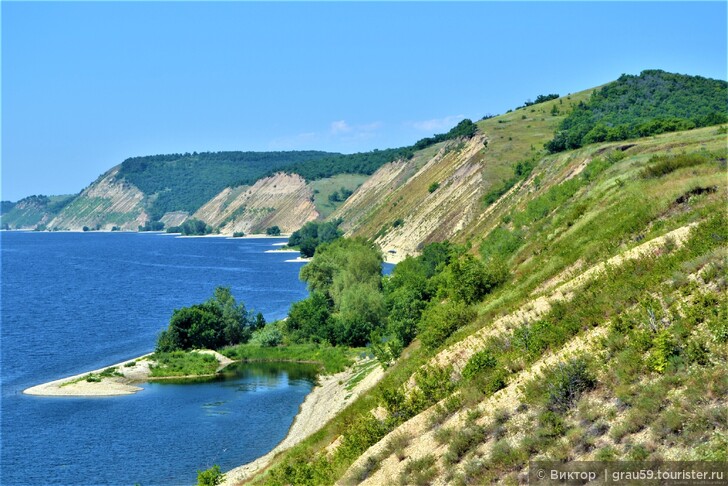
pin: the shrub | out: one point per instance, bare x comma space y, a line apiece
663, 348
438, 322
470, 279
269, 336
210, 477
463, 441
660, 165
213, 324
419, 471
480, 361
273, 231
433, 187
567, 383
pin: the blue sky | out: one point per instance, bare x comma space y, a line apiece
87, 84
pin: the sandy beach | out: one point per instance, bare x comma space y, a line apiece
134, 371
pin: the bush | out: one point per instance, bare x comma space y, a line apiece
479, 362
210, 477
268, 337
464, 440
433, 187
419, 471
273, 231
660, 165
567, 382
470, 279
440, 321
663, 348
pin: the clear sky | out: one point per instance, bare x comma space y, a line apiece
87, 84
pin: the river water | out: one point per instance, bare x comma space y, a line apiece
72, 302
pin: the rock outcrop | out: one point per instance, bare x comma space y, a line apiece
282, 200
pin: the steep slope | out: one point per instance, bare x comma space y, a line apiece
438, 194
608, 340
105, 204
32, 212
282, 200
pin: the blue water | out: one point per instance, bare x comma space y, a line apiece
72, 302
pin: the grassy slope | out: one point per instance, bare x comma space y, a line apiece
323, 188
513, 137
27, 216
607, 215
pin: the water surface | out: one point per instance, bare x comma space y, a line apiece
72, 302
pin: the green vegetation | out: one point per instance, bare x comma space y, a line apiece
359, 163
638, 106
465, 129
557, 224
433, 187
346, 303
210, 477
313, 234
184, 182
327, 192
540, 99
152, 226
333, 359
31, 211
273, 231
180, 363
191, 227
659, 165
219, 322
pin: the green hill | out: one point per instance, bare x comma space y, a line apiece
637, 106
184, 182
583, 317
33, 211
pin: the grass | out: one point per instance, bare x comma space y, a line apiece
183, 364
332, 359
323, 188
609, 210
361, 370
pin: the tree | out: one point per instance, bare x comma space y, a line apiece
273, 231
220, 321
210, 477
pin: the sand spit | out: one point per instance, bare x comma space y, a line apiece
298, 260
133, 371
128, 374
326, 400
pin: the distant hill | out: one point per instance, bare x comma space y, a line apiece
33, 211
637, 106
184, 182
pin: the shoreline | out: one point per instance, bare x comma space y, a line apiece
76, 386
131, 373
325, 400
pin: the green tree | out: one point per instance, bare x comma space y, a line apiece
210, 477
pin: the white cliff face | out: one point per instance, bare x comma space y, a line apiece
282, 200
398, 207
105, 204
